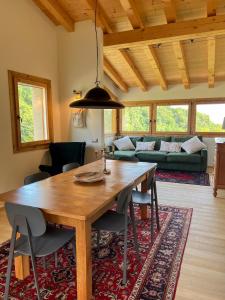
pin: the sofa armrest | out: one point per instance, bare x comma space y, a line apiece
204, 156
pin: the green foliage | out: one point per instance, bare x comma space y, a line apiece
26, 113
169, 119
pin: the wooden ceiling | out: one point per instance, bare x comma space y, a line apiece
153, 42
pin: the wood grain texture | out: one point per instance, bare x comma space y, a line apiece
219, 179
130, 7
181, 63
203, 271
211, 61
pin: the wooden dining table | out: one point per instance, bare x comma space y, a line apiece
65, 201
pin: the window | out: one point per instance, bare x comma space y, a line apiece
135, 119
172, 118
109, 121
209, 117
31, 111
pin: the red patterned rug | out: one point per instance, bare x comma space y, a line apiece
196, 178
155, 277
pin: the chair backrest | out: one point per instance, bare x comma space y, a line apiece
127, 158
151, 178
123, 199
36, 177
70, 166
22, 215
67, 152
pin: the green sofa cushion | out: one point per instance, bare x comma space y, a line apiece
135, 139
183, 157
151, 156
157, 139
182, 139
125, 153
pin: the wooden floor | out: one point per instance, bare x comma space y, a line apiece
203, 269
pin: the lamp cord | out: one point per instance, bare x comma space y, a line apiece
97, 82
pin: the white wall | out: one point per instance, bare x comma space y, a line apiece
77, 70
179, 92
28, 44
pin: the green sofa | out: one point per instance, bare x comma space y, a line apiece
165, 160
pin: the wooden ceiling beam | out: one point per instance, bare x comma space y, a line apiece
211, 7
138, 77
102, 18
192, 29
181, 63
170, 11
211, 61
132, 12
53, 10
114, 75
154, 62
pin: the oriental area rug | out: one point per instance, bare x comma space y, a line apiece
154, 276
196, 178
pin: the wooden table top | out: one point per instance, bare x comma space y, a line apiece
61, 195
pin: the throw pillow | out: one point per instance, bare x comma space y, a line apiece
145, 146
193, 145
124, 144
170, 146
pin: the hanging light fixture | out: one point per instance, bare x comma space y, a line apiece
97, 97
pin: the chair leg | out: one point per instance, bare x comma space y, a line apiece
74, 247
10, 262
44, 262
34, 266
56, 259
98, 239
152, 217
156, 206
125, 253
132, 216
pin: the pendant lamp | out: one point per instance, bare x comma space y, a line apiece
97, 97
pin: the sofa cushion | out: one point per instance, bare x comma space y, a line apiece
135, 139
183, 157
193, 145
124, 143
151, 156
124, 153
157, 140
182, 139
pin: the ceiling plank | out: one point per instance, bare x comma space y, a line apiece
52, 9
211, 61
114, 75
211, 7
198, 28
112, 95
132, 12
170, 10
102, 18
181, 63
138, 77
154, 62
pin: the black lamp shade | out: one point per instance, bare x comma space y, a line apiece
97, 98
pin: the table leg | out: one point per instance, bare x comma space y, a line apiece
22, 266
144, 207
84, 267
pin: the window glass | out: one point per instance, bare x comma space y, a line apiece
172, 118
32, 113
135, 118
108, 121
209, 117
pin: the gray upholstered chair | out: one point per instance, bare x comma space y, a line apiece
70, 166
36, 177
118, 221
150, 199
37, 239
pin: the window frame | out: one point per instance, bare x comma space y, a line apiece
15, 78
115, 116
191, 116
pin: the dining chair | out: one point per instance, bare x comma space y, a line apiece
70, 166
36, 177
150, 199
118, 221
37, 239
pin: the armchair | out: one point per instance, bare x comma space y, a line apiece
64, 153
